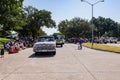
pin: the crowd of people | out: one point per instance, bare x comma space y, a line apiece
14, 46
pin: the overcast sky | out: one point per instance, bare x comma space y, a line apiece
68, 9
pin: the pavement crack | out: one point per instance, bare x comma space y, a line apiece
80, 62
14, 70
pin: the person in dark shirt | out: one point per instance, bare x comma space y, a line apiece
2, 52
5, 45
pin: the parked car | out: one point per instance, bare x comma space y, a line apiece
112, 40
101, 40
45, 44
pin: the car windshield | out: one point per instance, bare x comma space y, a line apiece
46, 38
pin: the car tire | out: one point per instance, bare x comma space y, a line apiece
36, 53
115, 42
54, 53
61, 45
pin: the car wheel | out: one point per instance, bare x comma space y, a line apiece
36, 53
115, 42
54, 53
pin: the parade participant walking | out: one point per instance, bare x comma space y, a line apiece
80, 43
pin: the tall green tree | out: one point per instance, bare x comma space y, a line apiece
36, 19
105, 25
76, 27
62, 27
11, 14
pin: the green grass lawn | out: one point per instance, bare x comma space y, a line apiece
2, 40
103, 47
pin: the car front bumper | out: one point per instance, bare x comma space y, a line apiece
44, 50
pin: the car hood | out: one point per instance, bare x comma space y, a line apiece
45, 43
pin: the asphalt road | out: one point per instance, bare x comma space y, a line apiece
69, 63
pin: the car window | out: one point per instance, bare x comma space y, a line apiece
48, 38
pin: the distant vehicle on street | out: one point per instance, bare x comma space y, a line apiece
112, 40
59, 42
106, 40
45, 44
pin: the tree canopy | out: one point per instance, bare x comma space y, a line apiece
75, 27
11, 15
78, 27
106, 25
36, 19
26, 21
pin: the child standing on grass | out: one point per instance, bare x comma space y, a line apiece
2, 52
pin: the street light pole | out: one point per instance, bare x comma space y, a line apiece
92, 28
92, 4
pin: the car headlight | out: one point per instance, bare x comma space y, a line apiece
35, 46
53, 45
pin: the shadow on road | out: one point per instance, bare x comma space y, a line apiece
58, 47
41, 55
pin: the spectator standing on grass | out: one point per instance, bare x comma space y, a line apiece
2, 52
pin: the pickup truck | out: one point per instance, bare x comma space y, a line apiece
45, 44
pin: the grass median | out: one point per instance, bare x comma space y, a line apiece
2, 40
103, 47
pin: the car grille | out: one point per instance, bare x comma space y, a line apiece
45, 47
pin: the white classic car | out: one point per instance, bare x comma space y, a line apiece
45, 44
